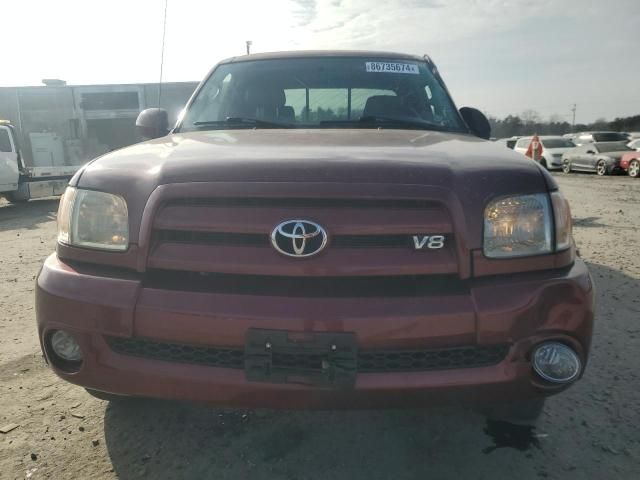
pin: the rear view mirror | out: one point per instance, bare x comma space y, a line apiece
477, 122
153, 123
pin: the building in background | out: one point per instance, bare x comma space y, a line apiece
68, 125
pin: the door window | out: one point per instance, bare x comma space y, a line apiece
330, 103
5, 141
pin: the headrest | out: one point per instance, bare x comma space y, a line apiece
384, 105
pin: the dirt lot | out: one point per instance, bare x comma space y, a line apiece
591, 431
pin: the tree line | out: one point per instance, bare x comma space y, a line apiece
529, 122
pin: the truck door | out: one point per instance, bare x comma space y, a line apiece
9, 172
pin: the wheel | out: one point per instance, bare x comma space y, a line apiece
110, 397
601, 168
566, 166
525, 411
634, 168
13, 198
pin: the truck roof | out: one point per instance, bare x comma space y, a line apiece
323, 53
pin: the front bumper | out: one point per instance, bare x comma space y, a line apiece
519, 311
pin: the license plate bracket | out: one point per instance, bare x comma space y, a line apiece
324, 359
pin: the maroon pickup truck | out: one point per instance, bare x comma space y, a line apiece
319, 230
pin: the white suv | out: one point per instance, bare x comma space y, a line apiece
552, 149
582, 138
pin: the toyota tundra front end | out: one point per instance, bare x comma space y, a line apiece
319, 230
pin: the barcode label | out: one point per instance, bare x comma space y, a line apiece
391, 67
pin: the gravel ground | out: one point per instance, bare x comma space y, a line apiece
591, 431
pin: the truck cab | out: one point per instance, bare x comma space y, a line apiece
9, 158
19, 183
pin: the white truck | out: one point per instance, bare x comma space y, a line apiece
19, 183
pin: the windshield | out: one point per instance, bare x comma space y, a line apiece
351, 92
613, 147
609, 137
557, 143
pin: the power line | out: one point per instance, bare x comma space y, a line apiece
164, 33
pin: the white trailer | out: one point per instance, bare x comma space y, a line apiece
19, 183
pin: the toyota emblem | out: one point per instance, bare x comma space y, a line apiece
299, 238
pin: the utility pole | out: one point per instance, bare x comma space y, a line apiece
249, 43
164, 34
573, 122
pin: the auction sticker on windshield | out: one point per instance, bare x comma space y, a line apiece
392, 67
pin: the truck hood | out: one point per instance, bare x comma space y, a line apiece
473, 169
344, 155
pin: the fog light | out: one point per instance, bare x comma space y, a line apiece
556, 362
65, 346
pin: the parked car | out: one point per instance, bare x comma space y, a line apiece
583, 138
630, 163
508, 142
268, 251
600, 157
552, 149
634, 144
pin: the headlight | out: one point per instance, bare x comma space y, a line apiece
518, 226
93, 219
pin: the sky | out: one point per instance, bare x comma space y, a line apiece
501, 56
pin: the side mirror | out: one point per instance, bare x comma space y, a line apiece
153, 123
477, 122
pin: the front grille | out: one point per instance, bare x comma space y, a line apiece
328, 287
178, 352
262, 240
369, 361
366, 237
441, 359
267, 202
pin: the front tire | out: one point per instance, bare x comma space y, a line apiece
566, 167
634, 168
601, 168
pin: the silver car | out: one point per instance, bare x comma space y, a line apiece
600, 157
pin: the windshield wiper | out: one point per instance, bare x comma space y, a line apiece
381, 120
243, 122
401, 122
